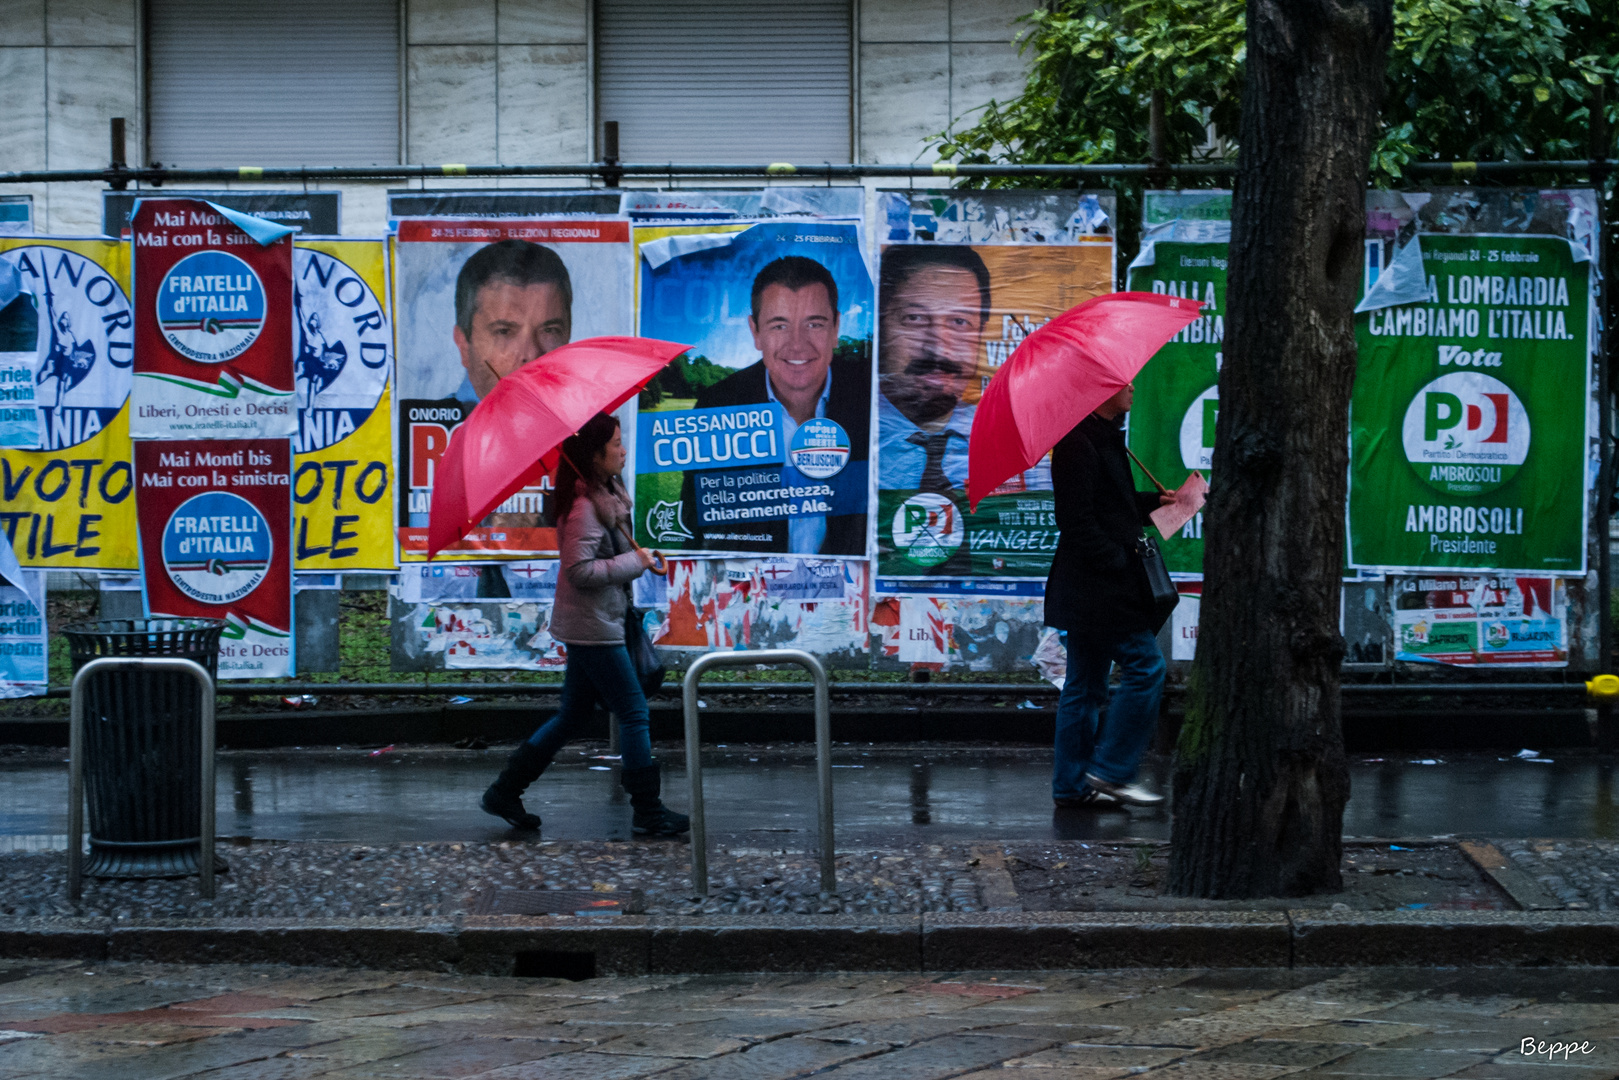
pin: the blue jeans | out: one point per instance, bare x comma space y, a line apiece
599, 673
1113, 753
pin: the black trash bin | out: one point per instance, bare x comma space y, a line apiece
142, 746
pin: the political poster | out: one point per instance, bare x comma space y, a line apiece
475, 299
24, 640
1470, 427
216, 543
213, 326
66, 358
1481, 621
964, 633
1170, 426
950, 314
758, 440
342, 485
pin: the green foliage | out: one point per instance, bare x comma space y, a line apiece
1467, 80
683, 378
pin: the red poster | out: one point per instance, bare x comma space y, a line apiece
216, 542
213, 327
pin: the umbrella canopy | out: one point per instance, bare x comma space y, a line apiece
1060, 374
513, 437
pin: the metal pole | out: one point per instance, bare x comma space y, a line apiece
75, 768
823, 756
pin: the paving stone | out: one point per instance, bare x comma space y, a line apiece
704, 1040
1364, 1032
946, 1056
1377, 1061
1278, 1052
453, 1060
584, 1065
779, 1060
1102, 1056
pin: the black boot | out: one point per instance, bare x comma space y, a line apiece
503, 799
652, 818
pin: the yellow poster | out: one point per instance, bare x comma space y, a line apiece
65, 364
343, 464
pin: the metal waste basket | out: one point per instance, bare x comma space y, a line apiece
142, 749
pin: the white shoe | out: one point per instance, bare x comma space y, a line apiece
1132, 794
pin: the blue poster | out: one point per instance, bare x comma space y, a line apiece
757, 440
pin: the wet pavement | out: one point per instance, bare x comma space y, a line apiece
164, 1022
885, 795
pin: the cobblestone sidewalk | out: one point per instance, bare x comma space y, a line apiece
152, 1022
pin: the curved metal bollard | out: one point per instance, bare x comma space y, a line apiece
823, 754
75, 769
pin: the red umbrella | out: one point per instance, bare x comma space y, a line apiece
1060, 374
515, 434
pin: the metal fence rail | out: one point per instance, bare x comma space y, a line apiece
823, 754
75, 769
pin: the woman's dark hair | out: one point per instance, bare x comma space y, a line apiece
580, 449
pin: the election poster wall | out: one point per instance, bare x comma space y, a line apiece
343, 450
215, 532
66, 357
758, 440
475, 299
24, 639
213, 332
1471, 429
970, 276
1170, 426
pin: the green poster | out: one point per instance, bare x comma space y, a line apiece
1469, 426
1171, 424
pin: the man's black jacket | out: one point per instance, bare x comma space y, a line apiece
1097, 587
849, 405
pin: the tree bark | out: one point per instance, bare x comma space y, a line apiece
1260, 775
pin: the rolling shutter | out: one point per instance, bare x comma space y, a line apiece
273, 82
726, 80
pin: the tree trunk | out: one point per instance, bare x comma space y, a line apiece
1260, 775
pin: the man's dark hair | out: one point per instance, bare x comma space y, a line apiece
520, 262
795, 272
903, 260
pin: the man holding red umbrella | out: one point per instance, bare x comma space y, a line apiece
1097, 593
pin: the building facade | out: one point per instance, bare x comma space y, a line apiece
208, 83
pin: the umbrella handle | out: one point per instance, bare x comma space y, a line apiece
659, 564
1162, 490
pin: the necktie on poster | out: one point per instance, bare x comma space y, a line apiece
1189, 499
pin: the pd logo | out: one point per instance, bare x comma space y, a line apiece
217, 547
210, 307
83, 342
342, 360
928, 528
1197, 430
819, 450
1466, 433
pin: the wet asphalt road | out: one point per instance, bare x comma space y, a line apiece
884, 796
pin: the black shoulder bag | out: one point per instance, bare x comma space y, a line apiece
1159, 586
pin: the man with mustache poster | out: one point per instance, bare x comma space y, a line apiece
948, 316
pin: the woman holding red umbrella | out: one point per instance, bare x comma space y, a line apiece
598, 564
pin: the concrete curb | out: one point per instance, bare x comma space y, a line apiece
641, 945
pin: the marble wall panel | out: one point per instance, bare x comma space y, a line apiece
85, 89
543, 22
22, 22
904, 98
90, 22
988, 20
904, 20
980, 71
543, 103
452, 103
22, 120
450, 22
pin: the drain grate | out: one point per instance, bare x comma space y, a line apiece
502, 901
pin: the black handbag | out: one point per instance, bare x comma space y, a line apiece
1159, 586
649, 670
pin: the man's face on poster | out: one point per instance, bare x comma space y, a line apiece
511, 325
796, 333
931, 328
